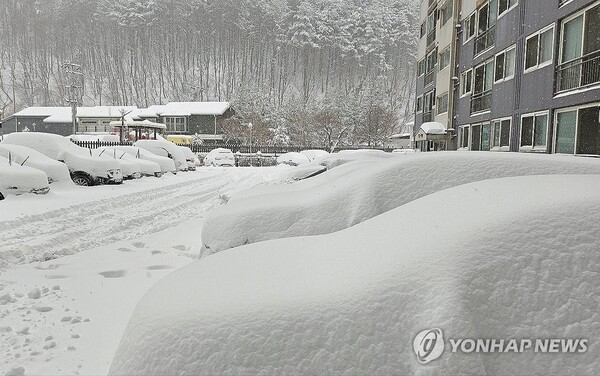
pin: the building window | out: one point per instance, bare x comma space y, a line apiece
505, 5
500, 133
176, 124
469, 27
579, 51
428, 105
538, 49
419, 104
430, 62
446, 12
442, 104
505, 65
482, 87
445, 58
486, 22
466, 82
423, 29
421, 67
463, 137
431, 20
578, 131
534, 130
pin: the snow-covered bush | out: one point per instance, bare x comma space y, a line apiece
497, 259
336, 199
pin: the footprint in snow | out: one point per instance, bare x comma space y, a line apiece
181, 247
155, 252
57, 276
114, 273
159, 267
123, 249
138, 244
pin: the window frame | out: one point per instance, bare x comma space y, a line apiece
505, 52
419, 108
463, 76
438, 101
533, 147
471, 19
555, 125
461, 145
171, 123
443, 10
500, 147
439, 59
538, 34
510, 7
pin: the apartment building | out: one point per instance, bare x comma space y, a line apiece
436, 70
528, 76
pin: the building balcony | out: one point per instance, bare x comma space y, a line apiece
578, 73
481, 102
485, 40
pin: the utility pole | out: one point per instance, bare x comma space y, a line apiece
75, 80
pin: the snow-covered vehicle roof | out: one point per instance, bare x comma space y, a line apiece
344, 156
354, 192
16, 179
77, 159
313, 154
147, 167
56, 171
165, 149
190, 157
166, 164
130, 170
293, 159
509, 258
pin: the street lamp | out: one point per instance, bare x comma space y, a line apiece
250, 126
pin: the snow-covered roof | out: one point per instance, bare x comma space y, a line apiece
401, 135
41, 111
191, 108
433, 127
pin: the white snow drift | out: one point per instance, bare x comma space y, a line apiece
508, 258
354, 192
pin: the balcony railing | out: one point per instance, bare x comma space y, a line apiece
581, 72
485, 40
481, 102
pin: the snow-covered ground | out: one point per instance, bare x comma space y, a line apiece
104, 246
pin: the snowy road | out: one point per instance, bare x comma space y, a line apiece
74, 263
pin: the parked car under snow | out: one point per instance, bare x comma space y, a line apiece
24, 156
165, 149
166, 164
16, 179
85, 169
220, 157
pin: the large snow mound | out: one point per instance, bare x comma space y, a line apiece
345, 196
506, 258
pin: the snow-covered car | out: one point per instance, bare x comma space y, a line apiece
220, 157
313, 154
359, 190
345, 156
147, 168
404, 151
130, 170
24, 156
166, 164
85, 169
293, 159
16, 179
496, 260
165, 149
190, 157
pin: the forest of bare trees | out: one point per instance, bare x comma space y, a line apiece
305, 71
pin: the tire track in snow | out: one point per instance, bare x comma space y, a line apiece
79, 227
